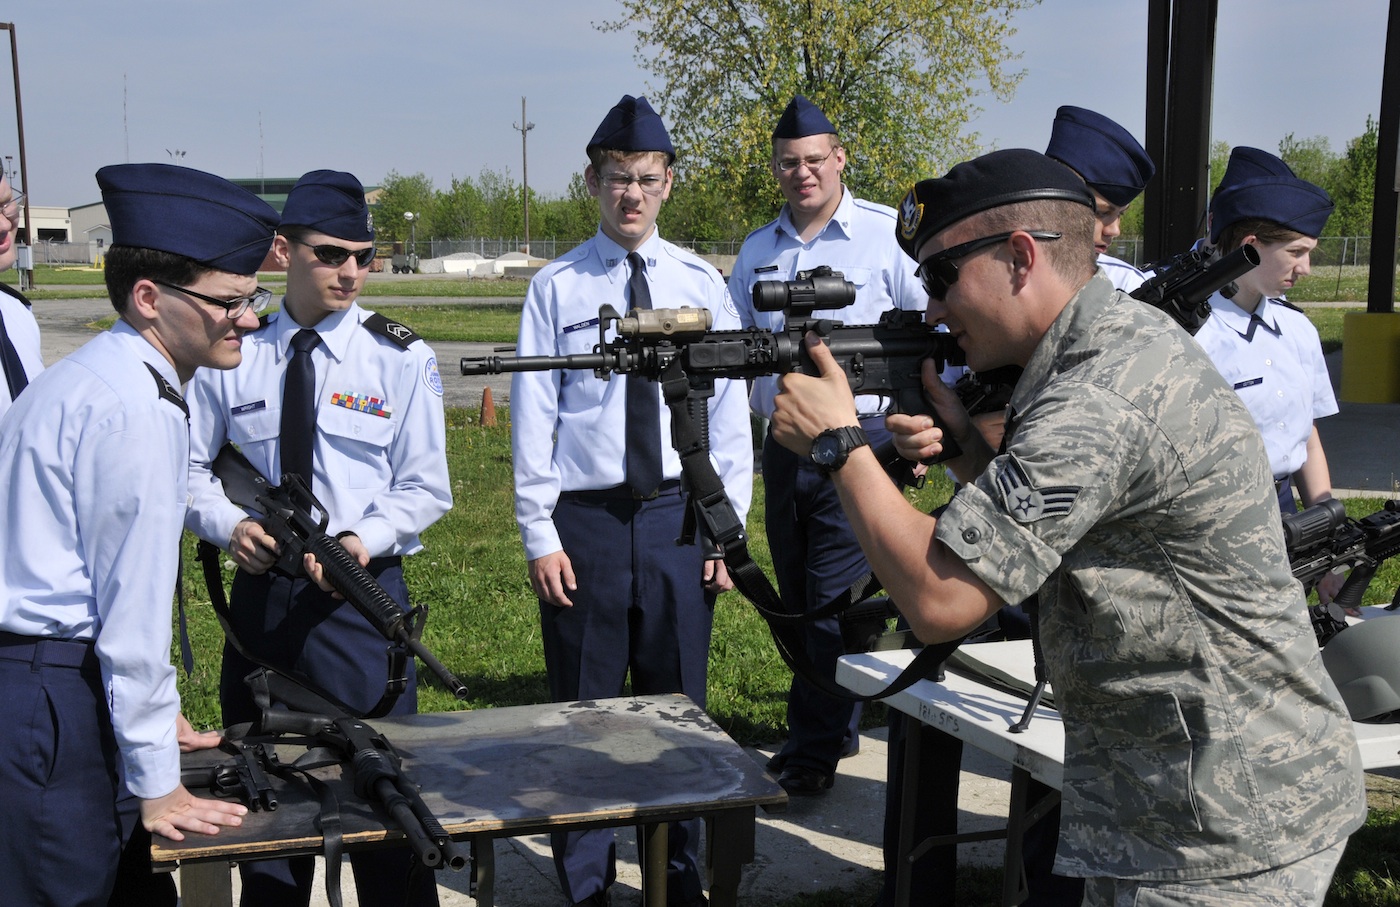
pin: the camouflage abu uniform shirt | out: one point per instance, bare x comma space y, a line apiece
1203, 737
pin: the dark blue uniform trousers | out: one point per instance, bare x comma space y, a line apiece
640, 610
60, 831
293, 623
816, 559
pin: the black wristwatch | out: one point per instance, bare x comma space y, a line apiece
833, 447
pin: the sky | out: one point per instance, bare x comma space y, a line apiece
270, 89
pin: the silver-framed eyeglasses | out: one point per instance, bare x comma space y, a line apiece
650, 183
812, 162
11, 208
939, 271
257, 303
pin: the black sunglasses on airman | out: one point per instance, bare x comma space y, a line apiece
335, 256
939, 271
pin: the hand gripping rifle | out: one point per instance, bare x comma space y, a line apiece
677, 348
293, 516
1322, 539
1182, 286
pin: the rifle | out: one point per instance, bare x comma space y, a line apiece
1182, 285
1322, 539
293, 516
882, 358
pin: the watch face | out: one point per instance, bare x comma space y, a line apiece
826, 450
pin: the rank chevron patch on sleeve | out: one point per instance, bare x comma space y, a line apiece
1025, 502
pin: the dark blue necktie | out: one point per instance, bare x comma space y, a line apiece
299, 407
14, 369
643, 436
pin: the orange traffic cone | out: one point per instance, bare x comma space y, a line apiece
488, 407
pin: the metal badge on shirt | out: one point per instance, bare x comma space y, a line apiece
1025, 502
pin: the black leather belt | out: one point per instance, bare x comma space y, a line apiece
48, 651
623, 492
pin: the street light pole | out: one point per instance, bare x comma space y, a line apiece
525, 126
26, 277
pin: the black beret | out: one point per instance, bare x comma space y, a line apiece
801, 119
1284, 200
631, 125
330, 202
187, 212
1101, 151
990, 181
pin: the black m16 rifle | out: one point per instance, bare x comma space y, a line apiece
882, 358
1322, 539
1182, 286
293, 516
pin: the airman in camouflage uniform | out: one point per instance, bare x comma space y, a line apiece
1205, 743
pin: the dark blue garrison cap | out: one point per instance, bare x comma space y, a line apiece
187, 212
800, 119
330, 202
990, 181
1249, 163
631, 125
1284, 200
1104, 153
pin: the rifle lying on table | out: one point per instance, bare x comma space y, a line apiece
332, 737
1322, 540
293, 516
1182, 285
677, 348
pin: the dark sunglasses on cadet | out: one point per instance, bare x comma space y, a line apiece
335, 255
939, 271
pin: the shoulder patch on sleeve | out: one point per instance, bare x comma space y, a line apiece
1026, 503
432, 377
399, 334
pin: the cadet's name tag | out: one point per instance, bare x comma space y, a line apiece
582, 325
248, 408
1240, 385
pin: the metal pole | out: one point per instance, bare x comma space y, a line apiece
23, 166
1380, 290
525, 126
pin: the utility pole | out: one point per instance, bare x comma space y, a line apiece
525, 126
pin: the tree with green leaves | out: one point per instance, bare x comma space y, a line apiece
899, 78
399, 194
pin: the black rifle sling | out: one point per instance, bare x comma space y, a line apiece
717, 516
209, 556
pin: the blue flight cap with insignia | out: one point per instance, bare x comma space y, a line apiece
990, 181
1104, 153
800, 119
330, 202
631, 125
187, 212
1288, 201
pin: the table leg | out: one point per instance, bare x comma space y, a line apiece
484, 869
1021, 815
928, 807
729, 844
206, 884
652, 842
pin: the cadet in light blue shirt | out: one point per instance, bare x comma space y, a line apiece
1115, 167
93, 487
598, 495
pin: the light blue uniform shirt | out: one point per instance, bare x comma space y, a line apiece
1122, 275
23, 331
1280, 374
858, 241
379, 461
92, 484
568, 426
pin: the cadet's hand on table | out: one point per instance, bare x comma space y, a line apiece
552, 578
191, 740
180, 811
251, 547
